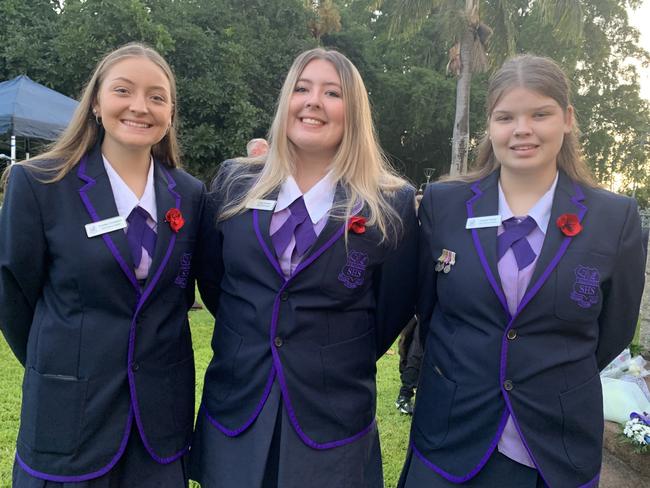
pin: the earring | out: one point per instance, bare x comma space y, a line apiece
98, 119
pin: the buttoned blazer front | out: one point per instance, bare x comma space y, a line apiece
99, 351
540, 366
317, 333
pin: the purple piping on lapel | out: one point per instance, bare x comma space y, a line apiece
575, 199
83, 477
81, 173
256, 412
267, 251
479, 249
171, 184
477, 468
277, 370
134, 397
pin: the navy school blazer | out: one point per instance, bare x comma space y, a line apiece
542, 365
100, 353
317, 333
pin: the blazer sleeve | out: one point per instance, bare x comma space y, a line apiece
23, 250
395, 284
622, 293
210, 267
426, 290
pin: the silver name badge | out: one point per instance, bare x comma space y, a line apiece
104, 226
481, 222
260, 204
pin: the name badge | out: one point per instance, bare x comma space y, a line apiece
104, 226
481, 222
261, 204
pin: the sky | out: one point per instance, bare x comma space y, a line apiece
641, 20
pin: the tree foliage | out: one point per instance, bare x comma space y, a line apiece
231, 56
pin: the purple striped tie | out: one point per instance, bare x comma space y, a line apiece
515, 236
139, 235
299, 225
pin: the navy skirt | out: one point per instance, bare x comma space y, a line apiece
270, 454
135, 468
500, 471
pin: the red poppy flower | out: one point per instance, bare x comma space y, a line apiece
357, 224
175, 219
569, 224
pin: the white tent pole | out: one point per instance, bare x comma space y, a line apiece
13, 149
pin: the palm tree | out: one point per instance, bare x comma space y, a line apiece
476, 48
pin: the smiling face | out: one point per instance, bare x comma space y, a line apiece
135, 104
527, 130
316, 112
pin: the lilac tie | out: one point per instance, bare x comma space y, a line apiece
515, 236
299, 225
139, 234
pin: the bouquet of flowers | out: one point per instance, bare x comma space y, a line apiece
637, 431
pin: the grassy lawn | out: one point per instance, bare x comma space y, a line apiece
392, 425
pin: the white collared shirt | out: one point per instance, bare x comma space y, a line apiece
126, 201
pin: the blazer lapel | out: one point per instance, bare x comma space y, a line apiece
567, 199
97, 197
166, 199
262, 228
484, 202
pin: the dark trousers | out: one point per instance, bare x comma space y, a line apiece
410, 358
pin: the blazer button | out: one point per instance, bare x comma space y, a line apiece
135, 367
284, 296
507, 385
512, 334
278, 342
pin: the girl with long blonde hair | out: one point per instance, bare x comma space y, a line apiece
96, 243
309, 271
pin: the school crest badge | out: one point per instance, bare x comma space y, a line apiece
353, 273
586, 286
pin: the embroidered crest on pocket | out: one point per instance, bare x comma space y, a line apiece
352, 274
585, 288
184, 270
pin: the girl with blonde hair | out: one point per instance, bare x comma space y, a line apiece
96, 241
530, 283
310, 274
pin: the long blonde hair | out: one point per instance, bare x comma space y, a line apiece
541, 75
82, 132
359, 164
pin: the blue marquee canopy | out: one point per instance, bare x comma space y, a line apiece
29, 109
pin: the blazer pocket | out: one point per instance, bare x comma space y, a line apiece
433, 403
583, 424
221, 372
52, 412
349, 370
347, 275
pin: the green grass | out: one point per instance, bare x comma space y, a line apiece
393, 426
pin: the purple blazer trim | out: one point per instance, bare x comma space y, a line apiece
269, 255
152, 283
81, 173
277, 365
477, 468
592, 483
171, 184
479, 249
83, 477
251, 419
575, 199
283, 385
